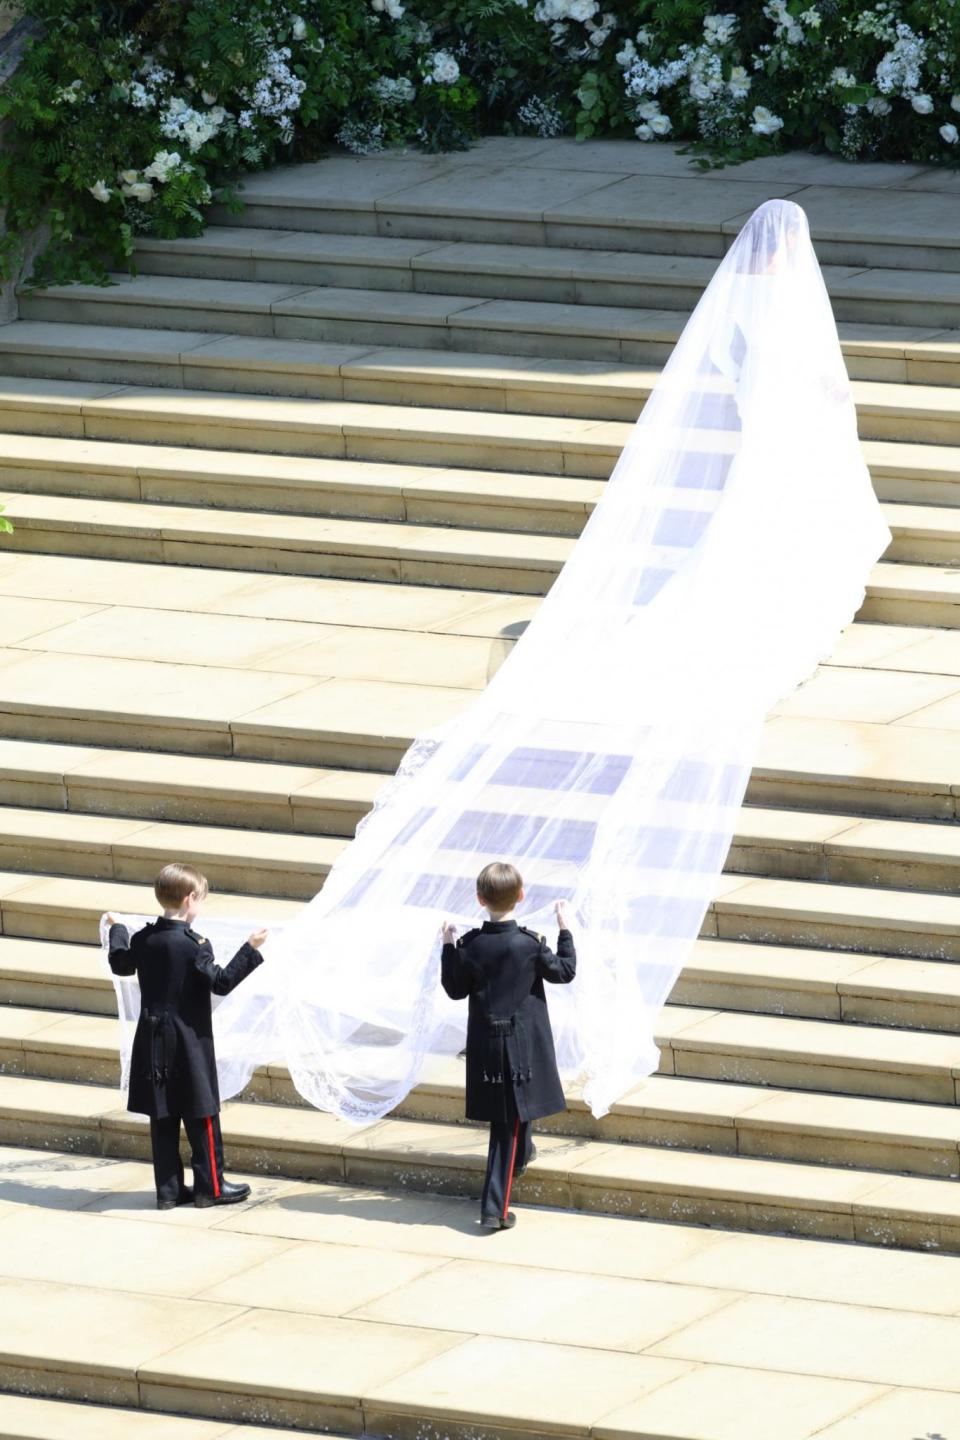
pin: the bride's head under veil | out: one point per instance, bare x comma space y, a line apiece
609, 755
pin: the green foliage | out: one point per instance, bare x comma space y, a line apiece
131, 117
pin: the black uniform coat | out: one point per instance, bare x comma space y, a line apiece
511, 1063
173, 1068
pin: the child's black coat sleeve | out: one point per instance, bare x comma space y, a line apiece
456, 974
558, 969
121, 957
223, 979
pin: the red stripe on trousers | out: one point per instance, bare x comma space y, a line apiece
513, 1161
213, 1159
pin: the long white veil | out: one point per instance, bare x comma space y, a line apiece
609, 755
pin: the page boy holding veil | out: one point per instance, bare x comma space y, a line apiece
512, 1076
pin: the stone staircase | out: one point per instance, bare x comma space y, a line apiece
286, 498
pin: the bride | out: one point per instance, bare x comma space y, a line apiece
610, 753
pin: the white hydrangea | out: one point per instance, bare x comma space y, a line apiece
552, 12
394, 92
877, 105
841, 77
923, 104
395, 10
811, 18
179, 121
719, 29
299, 27
140, 97
645, 79
765, 122
278, 91
900, 69
444, 69
101, 191
950, 134
163, 165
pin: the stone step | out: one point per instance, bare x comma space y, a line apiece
715, 1069
104, 847
599, 389
96, 813
344, 320
409, 436
226, 479
317, 1292
924, 530
653, 281
821, 760
40, 1417
720, 975
544, 201
572, 1173
290, 545
401, 552
766, 911
44, 907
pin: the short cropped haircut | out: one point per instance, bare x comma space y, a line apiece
499, 885
175, 882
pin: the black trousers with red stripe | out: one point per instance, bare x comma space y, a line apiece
206, 1144
509, 1152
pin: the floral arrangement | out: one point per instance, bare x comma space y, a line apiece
131, 116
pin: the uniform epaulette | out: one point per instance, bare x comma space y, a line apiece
532, 933
200, 939
470, 935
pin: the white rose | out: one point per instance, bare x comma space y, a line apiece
661, 125
627, 55
100, 191
140, 191
209, 97
699, 91
950, 133
643, 132
877, 105
739, 83
648, 110
923, 104
795, 35
129, 177
583, 9
299, 27
765, 122
955, 102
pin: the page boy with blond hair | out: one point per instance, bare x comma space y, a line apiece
173, 1069
512, 1076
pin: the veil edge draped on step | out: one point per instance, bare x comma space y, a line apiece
609, 755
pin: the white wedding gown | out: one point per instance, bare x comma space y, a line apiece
609, 755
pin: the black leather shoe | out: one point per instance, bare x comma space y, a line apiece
530, 1159
230, 1194
498, 1222
184, 1198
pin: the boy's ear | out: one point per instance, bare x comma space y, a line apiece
521, 895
